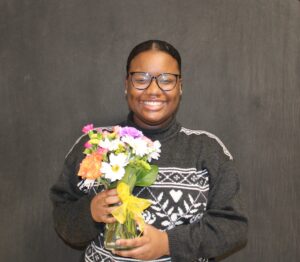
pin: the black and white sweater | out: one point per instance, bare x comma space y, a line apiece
196, 198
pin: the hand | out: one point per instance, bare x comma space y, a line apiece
100, 206
153, 244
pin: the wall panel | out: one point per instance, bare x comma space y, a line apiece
62, 64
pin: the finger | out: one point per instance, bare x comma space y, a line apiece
111, 200
108, 219
112, 192
137, 253
134, 242
110, 209
101, 214
106, 193
102, 194
106, 210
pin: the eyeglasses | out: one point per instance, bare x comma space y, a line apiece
165, 81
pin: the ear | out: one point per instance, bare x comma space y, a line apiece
180, 87
126, 87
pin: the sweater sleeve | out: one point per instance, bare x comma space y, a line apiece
71, 207
223, 227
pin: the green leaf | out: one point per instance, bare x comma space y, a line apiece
104, 182
112, 185
87, 151
90, 133
145, 165
104, 158
93, 136
130, 176
146, 177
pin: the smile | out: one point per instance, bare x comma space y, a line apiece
153, 103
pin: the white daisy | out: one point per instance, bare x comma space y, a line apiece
114, 170
139, 146
154, 150
110, 145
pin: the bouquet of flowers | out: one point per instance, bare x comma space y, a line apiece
120, 159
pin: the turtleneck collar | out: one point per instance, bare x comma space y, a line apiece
160, 134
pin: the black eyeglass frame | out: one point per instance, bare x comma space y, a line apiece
178, 76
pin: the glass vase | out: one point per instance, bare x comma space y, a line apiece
116, 230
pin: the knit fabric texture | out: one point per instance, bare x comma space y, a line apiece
195, 199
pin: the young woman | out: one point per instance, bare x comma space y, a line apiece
196, 212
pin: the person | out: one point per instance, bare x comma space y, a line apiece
196, 212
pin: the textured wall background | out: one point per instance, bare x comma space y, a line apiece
62, 65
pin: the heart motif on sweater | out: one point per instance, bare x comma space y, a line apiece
176, 195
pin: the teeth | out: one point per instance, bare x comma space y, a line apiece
152, 103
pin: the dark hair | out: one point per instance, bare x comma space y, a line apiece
154, 45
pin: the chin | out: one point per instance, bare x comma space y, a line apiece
157, 121
154, 120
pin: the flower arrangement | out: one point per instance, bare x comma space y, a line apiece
120, 159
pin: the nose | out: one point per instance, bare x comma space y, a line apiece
153, 87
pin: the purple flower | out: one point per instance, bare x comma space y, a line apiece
87, 128
130, 131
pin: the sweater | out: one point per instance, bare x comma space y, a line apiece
195, 199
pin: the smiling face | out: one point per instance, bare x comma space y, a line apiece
153, 108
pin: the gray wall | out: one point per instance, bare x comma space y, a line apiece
62, 66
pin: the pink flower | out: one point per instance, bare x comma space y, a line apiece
87, 145
105, 134
148, 141
87, 128
117, 129
102, 150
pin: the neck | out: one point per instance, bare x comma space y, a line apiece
162, 133
151, 126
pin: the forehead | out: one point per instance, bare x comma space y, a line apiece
154, 61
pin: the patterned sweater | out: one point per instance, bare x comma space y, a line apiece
196, 198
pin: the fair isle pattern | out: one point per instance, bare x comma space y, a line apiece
179, 196
200, 132
183, 176
99, 254
86, 185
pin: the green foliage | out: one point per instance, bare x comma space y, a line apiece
130, 176
87, 151
146, 177
94, 141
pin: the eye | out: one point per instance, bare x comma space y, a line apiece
140, 80
167, 79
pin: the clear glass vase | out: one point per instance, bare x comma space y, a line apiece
115, 231
129, 229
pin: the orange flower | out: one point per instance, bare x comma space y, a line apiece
90, 166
